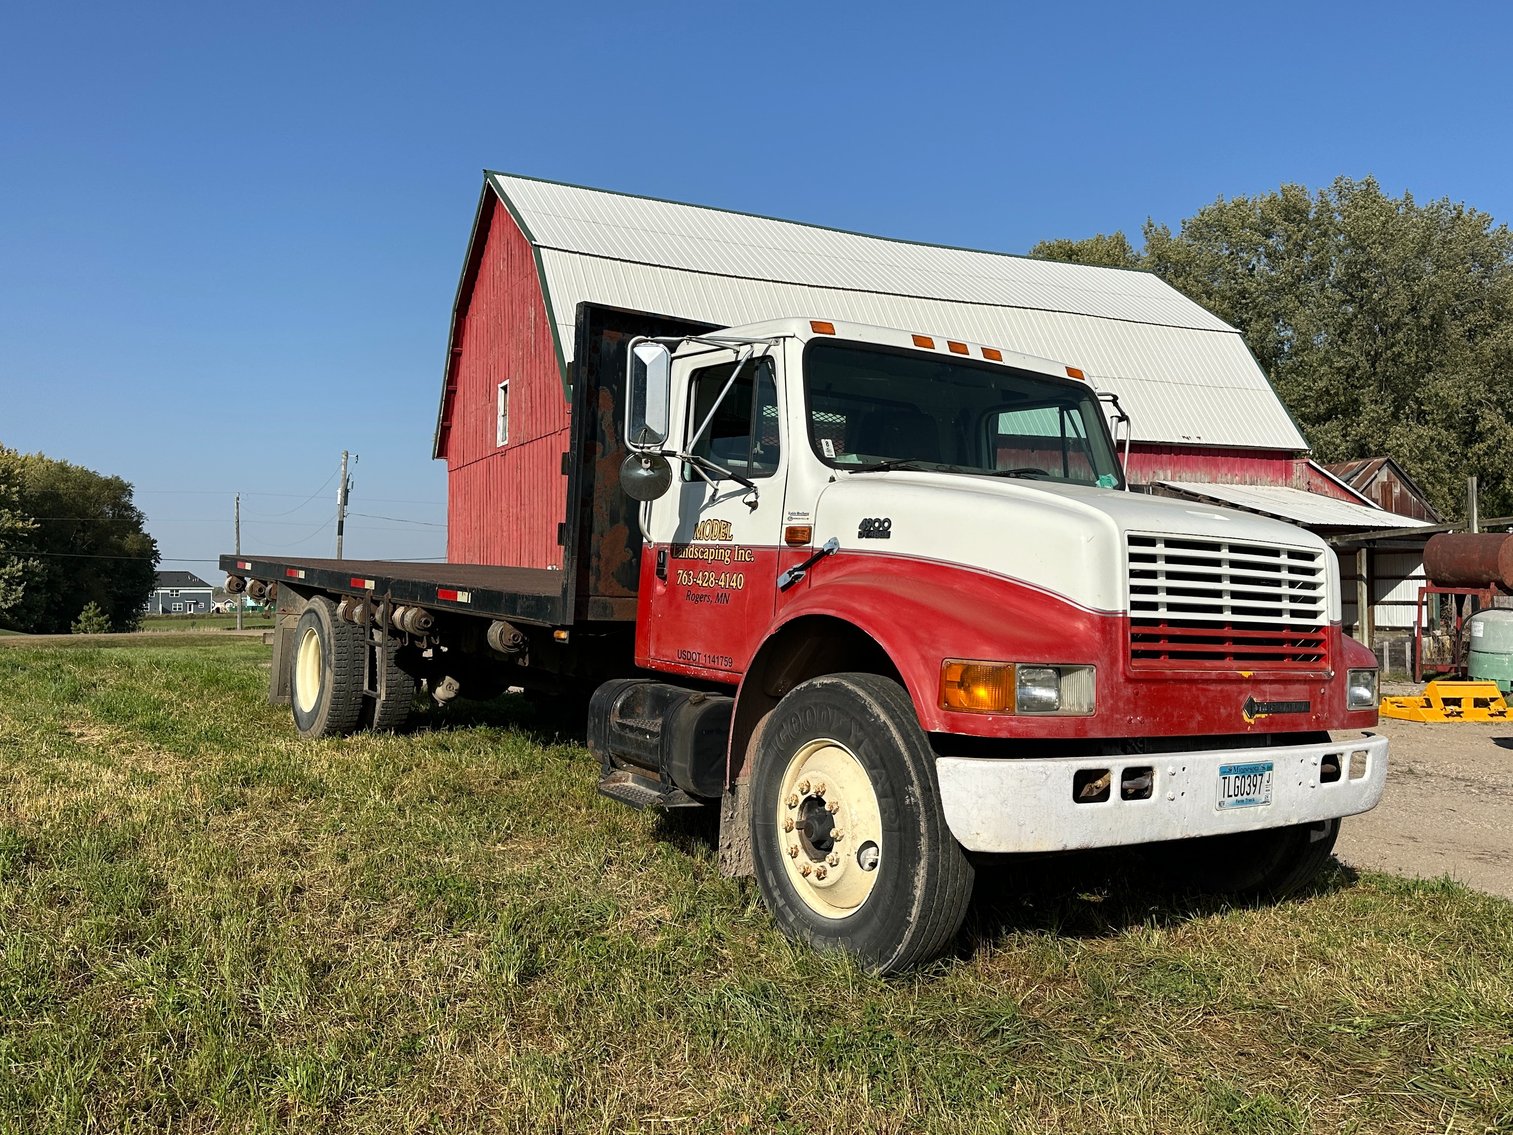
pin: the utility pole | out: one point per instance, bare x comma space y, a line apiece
237, 598
343, 487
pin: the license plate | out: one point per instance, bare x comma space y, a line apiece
1245, 786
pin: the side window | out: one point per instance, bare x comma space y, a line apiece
502, 420
744, 435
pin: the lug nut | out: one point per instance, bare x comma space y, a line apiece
805, 869
834, 860
837, 835
832, 806
819, 788
820, 872
803, 788
793, 801
793, 852
788, 825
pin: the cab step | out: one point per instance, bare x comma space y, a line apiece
643, 791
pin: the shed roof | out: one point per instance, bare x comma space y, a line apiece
1185, 376
1312, 510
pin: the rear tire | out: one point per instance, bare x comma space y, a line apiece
325, 679
392, 710
851, 848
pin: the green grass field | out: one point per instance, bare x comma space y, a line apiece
250, 620
208, 924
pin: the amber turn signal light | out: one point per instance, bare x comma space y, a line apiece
977, 687
820, 327
797, 534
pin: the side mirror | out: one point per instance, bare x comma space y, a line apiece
645, 476
647, 386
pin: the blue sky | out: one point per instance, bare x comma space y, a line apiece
230, 236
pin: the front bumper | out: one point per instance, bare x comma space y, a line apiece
1030, 804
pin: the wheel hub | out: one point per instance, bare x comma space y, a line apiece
831, 828
308, 670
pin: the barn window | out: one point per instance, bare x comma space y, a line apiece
502, 429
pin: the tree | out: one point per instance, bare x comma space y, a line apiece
87, 545
16, 529
1105, 250
91, 620
1384, 324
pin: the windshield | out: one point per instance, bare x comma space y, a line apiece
871, 407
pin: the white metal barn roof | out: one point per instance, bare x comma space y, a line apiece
1185, 376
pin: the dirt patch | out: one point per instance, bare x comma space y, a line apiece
1447, 809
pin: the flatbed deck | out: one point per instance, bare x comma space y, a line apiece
528, 595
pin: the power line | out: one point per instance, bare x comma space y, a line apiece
398, 519
97, 556
230, 492
307, 500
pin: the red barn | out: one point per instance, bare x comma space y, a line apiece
1206, 423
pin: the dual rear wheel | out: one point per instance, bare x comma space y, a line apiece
326, 677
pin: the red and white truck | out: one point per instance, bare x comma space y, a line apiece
884, 599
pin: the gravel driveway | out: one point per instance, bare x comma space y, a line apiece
1447, 809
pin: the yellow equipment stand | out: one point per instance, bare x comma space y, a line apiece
1450, 701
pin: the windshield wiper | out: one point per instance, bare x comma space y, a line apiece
907, 463
1019, 471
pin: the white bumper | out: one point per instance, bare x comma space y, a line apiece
1029, 804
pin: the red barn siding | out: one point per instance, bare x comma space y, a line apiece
504, 504
1194, 463
1315, 480
1150, 463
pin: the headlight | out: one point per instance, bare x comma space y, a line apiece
1361, 689
1003, 687
1038, 689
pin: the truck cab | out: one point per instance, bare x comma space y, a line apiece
911, 571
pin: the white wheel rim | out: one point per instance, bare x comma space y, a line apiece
307, 671
827, 794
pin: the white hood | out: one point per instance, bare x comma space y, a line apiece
1066, 539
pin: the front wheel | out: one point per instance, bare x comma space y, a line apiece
852, 851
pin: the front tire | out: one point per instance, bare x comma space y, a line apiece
851, 848
325, 682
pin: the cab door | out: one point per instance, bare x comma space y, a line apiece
708, 580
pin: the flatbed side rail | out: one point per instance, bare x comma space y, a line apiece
527, 595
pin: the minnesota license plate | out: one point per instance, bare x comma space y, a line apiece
1245, 786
